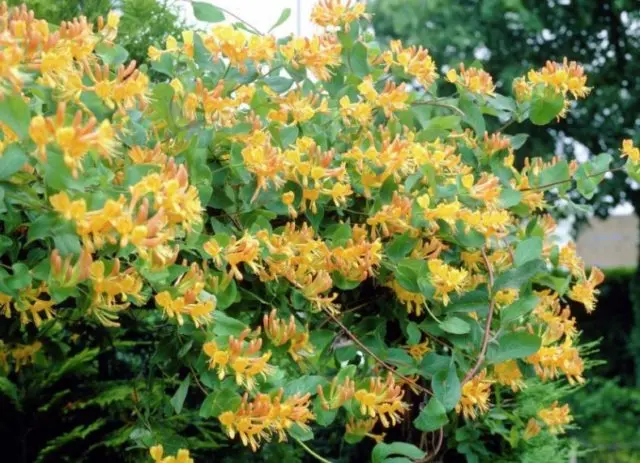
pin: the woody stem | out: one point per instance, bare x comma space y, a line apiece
487, 328
382, 363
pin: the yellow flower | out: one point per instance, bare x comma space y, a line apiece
629, 150
337, 394
585, 291
25, 354
70, 210
113, 20
556, 417
382, 399
446, 279
473, 79
240, 359
565, 77
417, 351
157, 453
257, 421
414, 302
415, 61
532, 429
505, 297
549, 361
281, 332
508, 374
475, 396
200, 312
335, 13
31, 304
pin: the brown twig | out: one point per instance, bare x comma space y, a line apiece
346, 311
440, 105
384, 364
560, 182
198, 383
437, 447
487, 328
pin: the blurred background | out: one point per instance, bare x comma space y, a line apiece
507, 38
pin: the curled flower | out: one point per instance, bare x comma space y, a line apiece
382, 399
446, 279
475, 396
336, 13
585, 291
508, 374
240, 358
473, 79
556, 417
260, 419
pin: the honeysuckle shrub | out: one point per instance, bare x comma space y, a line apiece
309, 232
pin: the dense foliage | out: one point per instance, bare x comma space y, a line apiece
142, 22
277, 240
508, 37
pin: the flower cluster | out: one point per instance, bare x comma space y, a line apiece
241, 359
382, 400
474, 400
157, 454
258, 420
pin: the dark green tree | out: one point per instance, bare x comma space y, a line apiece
508, 37
143, 22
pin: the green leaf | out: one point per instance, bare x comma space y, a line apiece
513, 346
113, 55
590, 173
400, 246
382, 451
413, 333
323, 417
304, 384
433, 363
207, 12
220, 401
10, 390
14, 112
545, 108
358, 60
439, 123
65, 240
516, 277
455, 325
21, 277
446, 387
519, 308
302, 434
224, 325
288, 135
517, 141
510, 197
528, 250
278, 84
431, 417
557, 176
473, 116
177, 401
11, 161
408, 271
283, 17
